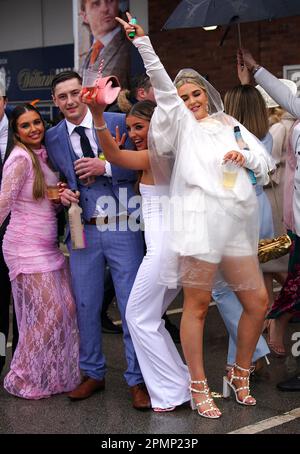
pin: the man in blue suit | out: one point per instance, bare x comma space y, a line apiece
74, 150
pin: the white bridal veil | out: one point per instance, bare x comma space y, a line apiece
211, 232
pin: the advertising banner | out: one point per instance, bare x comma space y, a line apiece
99, 38
28, 73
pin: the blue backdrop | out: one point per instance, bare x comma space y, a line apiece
29, 72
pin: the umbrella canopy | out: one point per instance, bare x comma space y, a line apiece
205, 13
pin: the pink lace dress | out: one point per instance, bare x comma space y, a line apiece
46, 359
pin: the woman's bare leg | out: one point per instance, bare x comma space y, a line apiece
255, 303
195, 308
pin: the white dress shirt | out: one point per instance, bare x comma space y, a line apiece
3, 136
87, 123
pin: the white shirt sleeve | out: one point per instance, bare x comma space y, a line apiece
257, 158
108, 172
170, 107
278, 91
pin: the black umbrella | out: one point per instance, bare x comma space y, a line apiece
205, 13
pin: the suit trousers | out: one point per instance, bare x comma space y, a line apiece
123, 252
109, 291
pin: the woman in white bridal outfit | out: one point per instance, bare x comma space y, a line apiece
219, 231
165, 374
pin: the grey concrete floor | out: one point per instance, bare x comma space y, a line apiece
110, 412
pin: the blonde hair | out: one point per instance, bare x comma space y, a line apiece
124, 102
189, 78
275, 115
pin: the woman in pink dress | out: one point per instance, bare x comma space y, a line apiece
46, 359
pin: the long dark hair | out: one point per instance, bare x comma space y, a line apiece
38, 191
143, 110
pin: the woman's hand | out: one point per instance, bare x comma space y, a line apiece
245, 57
89, 97
243, 72
236, 157
120, 141
131, 28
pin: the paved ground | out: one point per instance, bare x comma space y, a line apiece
110, 412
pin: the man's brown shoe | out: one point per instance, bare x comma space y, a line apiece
87, 387
140, 397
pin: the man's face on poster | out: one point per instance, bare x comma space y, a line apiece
100, 16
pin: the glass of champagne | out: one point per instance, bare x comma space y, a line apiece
230, 170
53, 192
89, 78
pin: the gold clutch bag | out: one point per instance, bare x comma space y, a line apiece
273, 248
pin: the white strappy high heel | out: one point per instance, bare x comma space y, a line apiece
208, 400
228, 386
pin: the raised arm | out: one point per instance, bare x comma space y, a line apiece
278, 91
129, 159
14, 175
160, 80
274, 87
171, 109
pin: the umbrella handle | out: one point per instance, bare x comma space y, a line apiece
232, 20
224, 36
239, 35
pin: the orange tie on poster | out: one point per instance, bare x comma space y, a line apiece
97, 46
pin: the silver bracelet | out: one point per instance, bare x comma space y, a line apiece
101, 128
255, 69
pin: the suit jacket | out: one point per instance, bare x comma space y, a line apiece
116, 56
8, 148
62, 156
